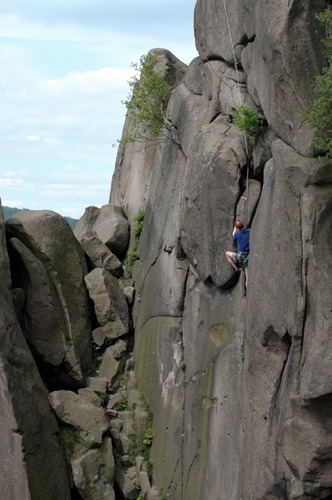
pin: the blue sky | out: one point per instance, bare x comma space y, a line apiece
65, 65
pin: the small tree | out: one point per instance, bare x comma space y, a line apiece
320, 115
247, 120
147, 101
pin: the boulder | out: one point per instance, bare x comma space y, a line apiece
49, 264
109, 226
113, 229
89, 421
119, 349
33, 464
98, 384
90, 395
93, 473
84, 226
101, 256
109, 303
109, 366
128, 489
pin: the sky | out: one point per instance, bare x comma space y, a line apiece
65, 66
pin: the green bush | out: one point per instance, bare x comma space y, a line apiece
247, 120
137, 229
147, 101
148, 437
132, 256
320, 115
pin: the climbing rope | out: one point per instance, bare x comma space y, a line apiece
239, 95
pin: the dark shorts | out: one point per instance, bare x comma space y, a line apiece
240, 258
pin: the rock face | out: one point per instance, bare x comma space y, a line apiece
239, 381
49, 265
33, 464
227, 393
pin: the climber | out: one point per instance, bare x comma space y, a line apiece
239, 260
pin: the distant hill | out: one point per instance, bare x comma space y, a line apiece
9, 211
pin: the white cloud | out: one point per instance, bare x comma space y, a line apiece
32, 138
12, 203
67, 67
5, 182
88, 83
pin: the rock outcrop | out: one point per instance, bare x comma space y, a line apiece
49, 265
141, 355
33, 464
238, 380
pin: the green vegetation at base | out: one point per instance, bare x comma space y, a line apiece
320, 115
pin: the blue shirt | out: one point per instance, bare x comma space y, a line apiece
242, 240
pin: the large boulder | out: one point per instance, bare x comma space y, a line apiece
101, 256
49, 264
110, 303
32, 463
89, 421
108, 224
93, 473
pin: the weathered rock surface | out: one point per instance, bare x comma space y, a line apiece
108, 224
90, 421
109, 366
48, 263
110, 304
93, 473
131, 190
101, 256
239, 383
238, 380
279, 50
33, 464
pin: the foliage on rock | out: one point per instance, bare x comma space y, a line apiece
139, 219
147, 101
247, 120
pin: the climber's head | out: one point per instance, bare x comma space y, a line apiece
239, 224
